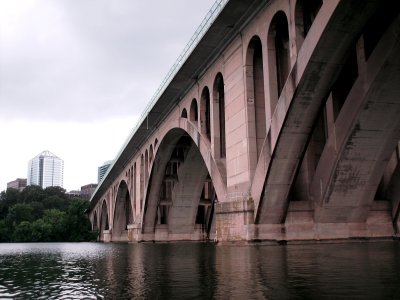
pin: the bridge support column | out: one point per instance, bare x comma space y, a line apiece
235, 220
133, 232
106, 238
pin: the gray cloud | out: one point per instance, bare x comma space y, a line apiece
85, 60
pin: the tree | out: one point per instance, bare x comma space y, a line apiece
78, 223
7, 199
5, 232
32, 193
18, 213
41, 231
23, 232
37, 215
38, 209
56, 202
55, 191
57, 221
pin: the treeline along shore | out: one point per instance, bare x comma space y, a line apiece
43, 215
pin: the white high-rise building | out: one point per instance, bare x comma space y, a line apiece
46, 169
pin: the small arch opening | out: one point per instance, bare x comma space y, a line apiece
219, 113
278, 56
194, 114
305, 14
205, 113
184, 113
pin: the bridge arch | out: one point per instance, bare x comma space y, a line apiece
123, 213
142, 182
146, 165
254, 70
298, 109
95, 223
278, 56
194, 112
352, 177
205, 113
184, 113
179, 202
151, 155
218, 112
104, 219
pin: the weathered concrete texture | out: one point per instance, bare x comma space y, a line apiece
281, 125
231, 218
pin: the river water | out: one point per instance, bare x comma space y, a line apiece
357, 270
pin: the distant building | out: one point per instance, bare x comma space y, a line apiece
18, 184
102, 170
85, 192
88, 190
46, 169
74, 194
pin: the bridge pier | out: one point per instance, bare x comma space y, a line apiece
233, 219
106, 236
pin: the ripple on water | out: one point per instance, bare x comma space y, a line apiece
191, 270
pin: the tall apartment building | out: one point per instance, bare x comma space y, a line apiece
102, 170
46, 169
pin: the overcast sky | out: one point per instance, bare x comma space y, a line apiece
75, 75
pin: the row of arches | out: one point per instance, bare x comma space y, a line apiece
277, 57
212, 115
208, 115
176, 197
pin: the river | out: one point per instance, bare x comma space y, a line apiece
356, 270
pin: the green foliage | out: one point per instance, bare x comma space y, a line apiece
32, 193
37, 215
7, 199
41, 231
18, 213
77, 222
23, 232
5, 232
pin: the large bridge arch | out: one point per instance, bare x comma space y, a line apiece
300, 102
366, 136
177, 197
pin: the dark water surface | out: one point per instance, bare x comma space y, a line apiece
359, 270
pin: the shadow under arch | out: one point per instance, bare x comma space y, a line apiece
180, 196
95, 223
104, 222
123, 214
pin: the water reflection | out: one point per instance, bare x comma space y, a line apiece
369, 270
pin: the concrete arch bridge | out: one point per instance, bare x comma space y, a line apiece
281, 123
